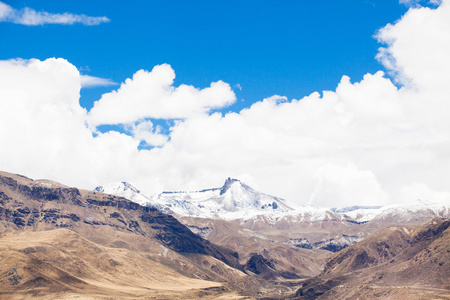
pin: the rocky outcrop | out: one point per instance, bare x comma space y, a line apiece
266, 268
335, 244
42, 193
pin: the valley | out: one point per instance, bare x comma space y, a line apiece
59, 242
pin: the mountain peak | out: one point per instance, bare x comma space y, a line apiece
123, 189
228, 183
118, 186
128, 186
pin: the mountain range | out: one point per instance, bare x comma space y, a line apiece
237, 201
60, 242
234, 200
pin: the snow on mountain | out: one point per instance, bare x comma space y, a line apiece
359, 214
300, 243
305, 213
334, 244
399, 213
236, 200
337, 243
123, 189
413, 212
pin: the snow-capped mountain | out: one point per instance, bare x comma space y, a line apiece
416, 211
236, 200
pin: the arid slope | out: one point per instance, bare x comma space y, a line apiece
58, 241
60, 264
396, 263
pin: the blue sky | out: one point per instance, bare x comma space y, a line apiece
328, 103
290, 48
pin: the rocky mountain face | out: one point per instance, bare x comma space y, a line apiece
334, 244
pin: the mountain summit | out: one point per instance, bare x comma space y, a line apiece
228, 183
234, 200
123, 189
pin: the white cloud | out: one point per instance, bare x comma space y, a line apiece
30, 17
88, 81
418, 46
152, 95
146, 132
43, 129
346, 185
421, 191
5, 11
367, 142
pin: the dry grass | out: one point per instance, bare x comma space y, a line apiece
60, 264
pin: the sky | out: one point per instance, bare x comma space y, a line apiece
325, 103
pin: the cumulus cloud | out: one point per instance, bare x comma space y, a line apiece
369, 142
152, 95
417, 48
30, 17
43, 127
88, 81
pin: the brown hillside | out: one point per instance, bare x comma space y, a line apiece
57, 239
62, 264
396, 263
